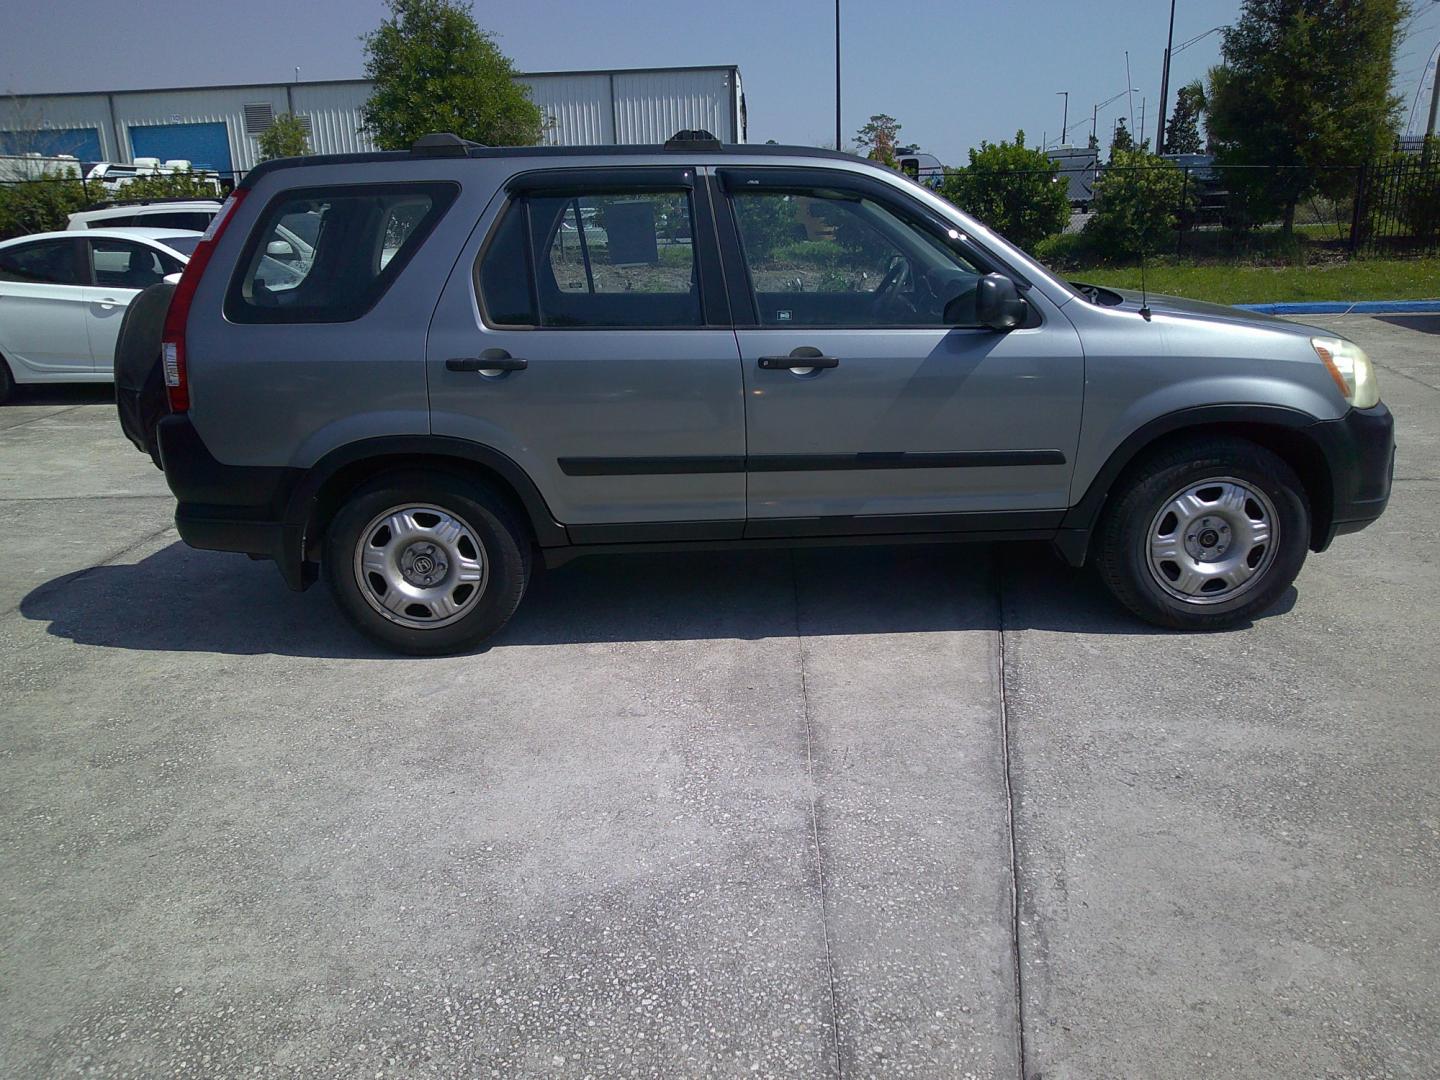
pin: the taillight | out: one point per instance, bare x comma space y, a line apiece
172, 346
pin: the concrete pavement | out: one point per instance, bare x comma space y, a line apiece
743, 813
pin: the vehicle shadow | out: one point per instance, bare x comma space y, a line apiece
1425, 324
62, 394
181, 600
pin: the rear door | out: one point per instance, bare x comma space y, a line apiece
119, 269
912, 417
42, 310
588, 338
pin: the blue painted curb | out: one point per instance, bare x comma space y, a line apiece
1336, 307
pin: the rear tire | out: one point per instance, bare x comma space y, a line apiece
1204, 535
427, 565
7, 382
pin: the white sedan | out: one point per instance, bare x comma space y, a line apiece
63, 295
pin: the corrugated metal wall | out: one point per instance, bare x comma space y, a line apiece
334, 111
650, 106
592, 108
577, 107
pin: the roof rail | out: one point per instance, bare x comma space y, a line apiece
443, 144
692, 139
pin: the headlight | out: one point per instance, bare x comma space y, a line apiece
1351, 369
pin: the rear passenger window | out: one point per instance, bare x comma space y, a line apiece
328, 255
615, 259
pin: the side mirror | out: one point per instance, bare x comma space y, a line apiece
998, 304
279, 249
171, 279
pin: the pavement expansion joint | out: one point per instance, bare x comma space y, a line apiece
815, 825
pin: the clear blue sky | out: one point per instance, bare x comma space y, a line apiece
952, 71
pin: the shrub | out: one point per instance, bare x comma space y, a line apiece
1014, 189
1137, 202
184, 184
41, 205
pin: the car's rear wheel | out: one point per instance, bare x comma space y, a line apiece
1205, 534
7, 382
427, 565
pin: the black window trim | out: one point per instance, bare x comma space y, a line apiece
709, 265
803, 179
237, 310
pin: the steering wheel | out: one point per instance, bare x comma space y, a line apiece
888, 296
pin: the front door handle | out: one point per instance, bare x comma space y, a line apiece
804, 357
489, 362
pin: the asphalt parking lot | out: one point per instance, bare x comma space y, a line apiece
759, 813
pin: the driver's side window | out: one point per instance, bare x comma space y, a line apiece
831, 259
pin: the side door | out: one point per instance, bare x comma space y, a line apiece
42, 310
586, 335
912, 417
119, 269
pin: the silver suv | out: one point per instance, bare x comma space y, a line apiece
420, 371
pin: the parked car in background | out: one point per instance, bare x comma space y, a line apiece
455, 384
1079, 166
63, 296
190, 214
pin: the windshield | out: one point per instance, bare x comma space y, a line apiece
182, 245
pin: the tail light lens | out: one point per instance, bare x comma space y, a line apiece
172, 342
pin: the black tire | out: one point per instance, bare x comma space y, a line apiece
7, 382
1123, 551
504, 553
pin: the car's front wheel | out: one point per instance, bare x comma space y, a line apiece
1205, 534
427, 565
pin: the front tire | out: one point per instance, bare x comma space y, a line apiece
1204, 535
427, 565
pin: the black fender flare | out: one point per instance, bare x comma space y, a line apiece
1073, 539
301, 504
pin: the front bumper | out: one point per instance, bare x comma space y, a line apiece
1360, 450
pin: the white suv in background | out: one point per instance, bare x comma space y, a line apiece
64, 294
155, 213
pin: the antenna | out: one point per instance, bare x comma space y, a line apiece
1144, 294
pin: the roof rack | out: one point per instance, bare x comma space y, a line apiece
106, 204
692, 139
443, 144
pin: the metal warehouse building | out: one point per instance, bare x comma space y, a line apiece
217, 126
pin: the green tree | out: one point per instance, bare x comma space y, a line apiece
1137, 202
285, 137
1013, 188
1303, 84
434, 69
879, 138
1182, 133
182, 184
1121, 140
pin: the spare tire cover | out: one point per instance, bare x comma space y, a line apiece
140, 396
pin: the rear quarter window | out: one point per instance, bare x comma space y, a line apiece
329, 254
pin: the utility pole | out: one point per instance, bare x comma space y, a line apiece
1141, 129
837, 75
1065, 117
1434, 103
1165, 83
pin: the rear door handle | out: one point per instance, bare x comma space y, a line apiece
491, 361
803, 357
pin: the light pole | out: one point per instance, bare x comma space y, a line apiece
1095, 112
1065, 117
837, 74
1165, 82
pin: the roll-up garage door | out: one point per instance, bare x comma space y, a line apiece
204, 145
